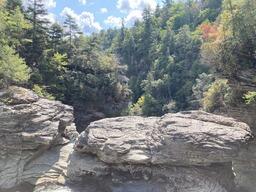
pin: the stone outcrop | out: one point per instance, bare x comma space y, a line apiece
32, 131
184, 152
189, 151
187, 139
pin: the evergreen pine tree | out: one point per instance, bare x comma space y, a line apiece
36, 14
71, 30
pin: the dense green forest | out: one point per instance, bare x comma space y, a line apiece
180, 56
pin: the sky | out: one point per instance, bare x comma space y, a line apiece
94, 15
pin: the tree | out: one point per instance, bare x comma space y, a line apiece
16, 27
120, 39
56, 37
13, 69
12, 26
233, 47
36, 14
13, 4
72, 30
147, 37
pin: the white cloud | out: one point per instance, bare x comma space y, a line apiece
134, 15
134, 9
51, 17
113, 21
130, 19
69, 11
128, 5
85, 20
48, 3
103, 10
83, 2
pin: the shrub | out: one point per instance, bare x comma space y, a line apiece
217, 95
40, 91
136, 108
152, 106
250, 97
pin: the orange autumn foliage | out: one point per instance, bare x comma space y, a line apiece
209, 31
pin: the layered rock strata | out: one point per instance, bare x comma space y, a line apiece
189, 151
33, 132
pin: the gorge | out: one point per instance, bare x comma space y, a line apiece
159, 97
185, 152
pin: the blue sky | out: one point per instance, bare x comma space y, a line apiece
94, 15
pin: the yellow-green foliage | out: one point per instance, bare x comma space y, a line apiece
250, 97
12, 68
216, 96
136, 108
107, 62
40, 91
60, 61
13, 26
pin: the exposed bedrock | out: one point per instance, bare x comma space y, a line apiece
190, 151
185, 152
33, 132
188, 138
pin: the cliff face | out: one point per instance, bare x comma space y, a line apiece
185, 152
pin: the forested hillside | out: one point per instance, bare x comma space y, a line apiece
183, 55
186, 54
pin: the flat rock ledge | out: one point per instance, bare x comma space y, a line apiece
192, 138
184, 152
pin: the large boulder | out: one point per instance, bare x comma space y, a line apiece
188, 139
31, 127
184, 152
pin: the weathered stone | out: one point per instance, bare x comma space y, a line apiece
91, 175
189, 138
29, 127
184, 152
245, 168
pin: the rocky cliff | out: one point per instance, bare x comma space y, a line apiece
185, 152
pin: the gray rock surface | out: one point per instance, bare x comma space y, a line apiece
92, 175
187, 139
184, 152
245, 168
31, 129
